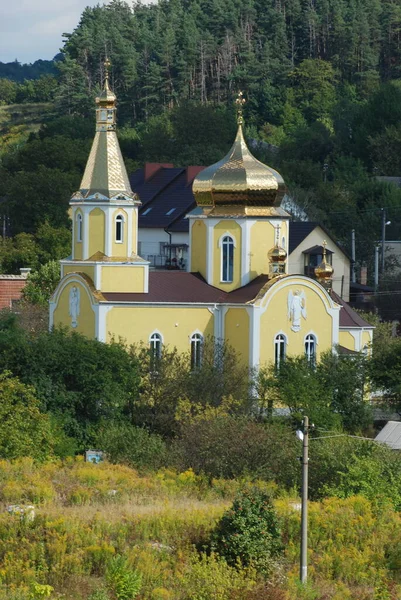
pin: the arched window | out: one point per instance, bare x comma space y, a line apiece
119, 228
156, 343
79, 227
310, 348
196, 350
227, 259
280, 343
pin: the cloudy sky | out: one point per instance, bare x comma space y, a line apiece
32, 29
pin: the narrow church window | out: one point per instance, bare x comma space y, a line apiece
119, 228
310, 348
196, 351
79, 227
279, 349
155, 348
227, 259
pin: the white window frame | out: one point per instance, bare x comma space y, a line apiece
156, 345
280, 343
196, 345
119, 219
225, 242
80, 224
310, 340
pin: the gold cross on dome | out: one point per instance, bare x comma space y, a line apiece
277, 228
324, 244
107, 65
240, 101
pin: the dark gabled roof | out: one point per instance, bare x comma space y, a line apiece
299, 230
179, 286
167, 189
316, 250
348, 316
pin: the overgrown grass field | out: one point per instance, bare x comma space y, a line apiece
86, 515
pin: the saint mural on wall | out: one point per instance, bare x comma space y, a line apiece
296, 303
74, 305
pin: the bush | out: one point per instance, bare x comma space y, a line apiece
133, 446
123, 582
249, 532
229, 446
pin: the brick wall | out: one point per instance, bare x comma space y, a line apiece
10, 289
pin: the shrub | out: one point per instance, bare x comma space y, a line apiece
228, 446
123, 582
249, 532
211, 578
133, 446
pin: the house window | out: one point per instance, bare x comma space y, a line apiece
279, 349
156, 343
119, 228
227, 259
310, 348
79, 227
196, 350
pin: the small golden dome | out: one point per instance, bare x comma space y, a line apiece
106, 97
239, 179
277, 254
324, 271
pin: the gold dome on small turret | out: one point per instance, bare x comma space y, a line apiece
239, 179
277, 254
106, 98
324, 271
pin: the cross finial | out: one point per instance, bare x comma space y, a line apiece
277, 228
240, 101
324, 244
107, 65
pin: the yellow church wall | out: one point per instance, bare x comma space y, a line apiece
96, 231
80, 268
236, 328
366, 339
198, 247
275, 320
123, 279
77, 245
262, 240
234, 229
119, 248
175, 324
347, 340
86, 318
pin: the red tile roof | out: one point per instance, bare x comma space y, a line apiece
348, 317
182, 287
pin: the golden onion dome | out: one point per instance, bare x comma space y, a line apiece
277, 254
324, 271
239, 178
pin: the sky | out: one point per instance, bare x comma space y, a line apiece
32, 29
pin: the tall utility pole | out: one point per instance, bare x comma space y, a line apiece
353, 273
383, 237
303, 571
377, 249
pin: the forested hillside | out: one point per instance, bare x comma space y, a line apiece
322, 89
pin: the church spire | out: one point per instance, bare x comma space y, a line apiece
105, 176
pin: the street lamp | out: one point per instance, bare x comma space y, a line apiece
303, 435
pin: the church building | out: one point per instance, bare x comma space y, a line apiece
236, 288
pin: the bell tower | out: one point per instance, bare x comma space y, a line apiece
105, 211
240, 200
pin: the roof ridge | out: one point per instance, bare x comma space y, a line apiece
163, 189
